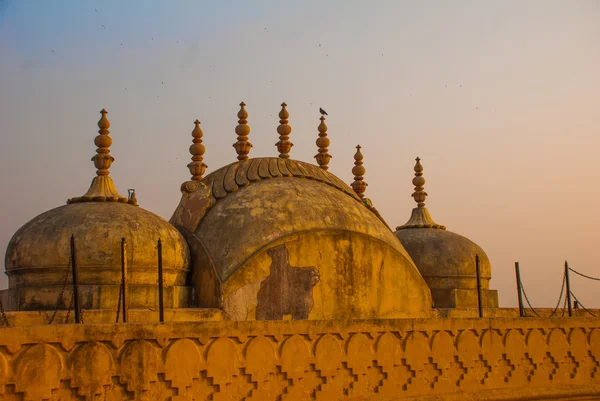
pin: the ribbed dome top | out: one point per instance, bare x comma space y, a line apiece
255, 201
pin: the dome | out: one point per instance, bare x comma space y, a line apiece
38, 253
37, 259
275, 237
445, 259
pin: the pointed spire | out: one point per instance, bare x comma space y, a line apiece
420, 217
359, 185
102, 188
242, 146
197, 149
323, 156
419, 195
284, 145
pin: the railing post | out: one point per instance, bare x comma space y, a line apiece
75, 284
161, 311
568, 288
124, 277
519, 291
478, 272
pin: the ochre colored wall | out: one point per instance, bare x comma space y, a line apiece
357, 276
453, 359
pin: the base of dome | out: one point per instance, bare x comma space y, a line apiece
108, 316
48, 298
463, 298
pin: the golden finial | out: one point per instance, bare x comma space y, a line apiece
197, 149
359, 185
284, 145
323, 143
242, 146
420, 217
419, 195
102, 188
102, 160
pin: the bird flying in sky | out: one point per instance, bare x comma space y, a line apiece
323, 112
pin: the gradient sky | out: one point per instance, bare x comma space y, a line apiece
500, 99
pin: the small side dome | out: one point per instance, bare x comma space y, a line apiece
38, 255
445, 259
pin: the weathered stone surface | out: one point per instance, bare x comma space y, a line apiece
437, 359
446, 261
38, 254
294, 243
357, 276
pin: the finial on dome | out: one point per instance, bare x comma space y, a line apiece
284, 145
197, 149
102, 160
102, 188
359, 185
242, 146
420, 217
419, 195
323, 142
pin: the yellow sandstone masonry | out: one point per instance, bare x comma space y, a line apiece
449, 359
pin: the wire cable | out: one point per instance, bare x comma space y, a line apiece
562, 290
529, 303
579, 302
584, 275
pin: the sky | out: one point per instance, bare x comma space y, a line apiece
500, 100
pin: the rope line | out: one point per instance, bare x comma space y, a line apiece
62, 290
527, 299
579, 302
584, 275
562, 290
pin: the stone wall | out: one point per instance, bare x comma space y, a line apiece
304, 360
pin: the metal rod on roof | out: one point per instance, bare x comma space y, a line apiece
161, 311
124, 277
477, 271
75, 283
568, 288
519, 291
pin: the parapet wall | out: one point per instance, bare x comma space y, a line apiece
506, 359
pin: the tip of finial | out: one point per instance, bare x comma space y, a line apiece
103, 111
242, 104
418, 167
197, 122
358, 147
322, 118
283, 104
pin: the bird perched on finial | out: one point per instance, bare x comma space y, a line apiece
323, 112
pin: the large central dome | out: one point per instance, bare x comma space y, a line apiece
272, 237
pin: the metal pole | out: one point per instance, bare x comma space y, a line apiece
75, 285
161, 311
124, 277
568, 288
477, 271
519, 293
